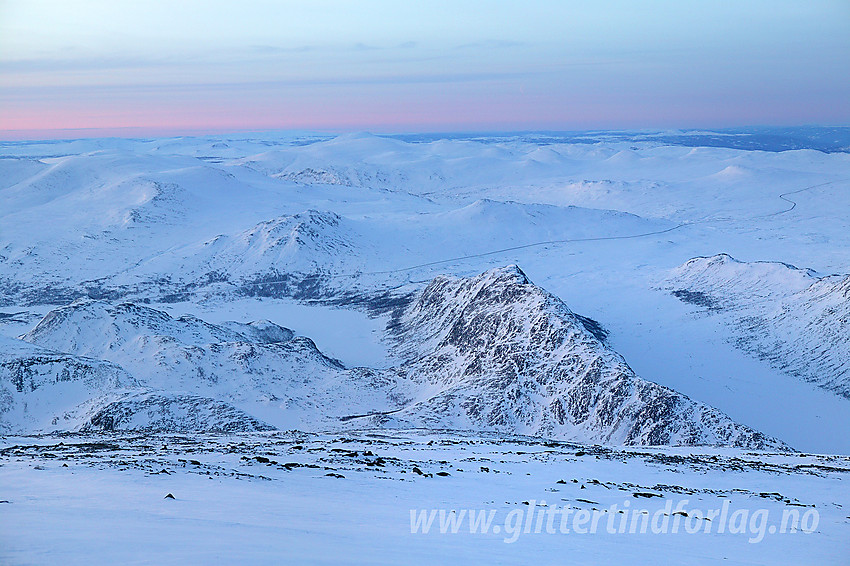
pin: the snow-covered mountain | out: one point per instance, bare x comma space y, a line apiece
295, 255
260, 367
38, 385
366, 160
296, 229
45, 390
322, 255
157, 223
157, 411
497, 352
789, 316
492, 352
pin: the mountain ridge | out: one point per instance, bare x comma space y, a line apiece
491, 352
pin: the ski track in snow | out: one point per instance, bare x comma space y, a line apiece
793, 203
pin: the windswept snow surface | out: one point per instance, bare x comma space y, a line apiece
272, 498
613, 288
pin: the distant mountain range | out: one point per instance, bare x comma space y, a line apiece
767, 138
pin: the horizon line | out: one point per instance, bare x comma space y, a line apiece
144, 132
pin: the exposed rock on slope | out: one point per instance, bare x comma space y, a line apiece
497, 352
158, 412
28, 368
728, 283
789, 316
285, 256
88, 327
43, 390
36, 384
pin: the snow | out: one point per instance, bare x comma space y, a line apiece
786, 315
326, 236
109, 505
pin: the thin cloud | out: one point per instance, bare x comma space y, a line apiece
493, 44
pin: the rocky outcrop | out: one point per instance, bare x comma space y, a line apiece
37, 383
164, 412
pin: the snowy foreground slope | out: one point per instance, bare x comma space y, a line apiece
272, 498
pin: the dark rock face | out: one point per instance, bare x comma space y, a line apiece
261, 331
695, 298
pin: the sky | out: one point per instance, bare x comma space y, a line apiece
117, 67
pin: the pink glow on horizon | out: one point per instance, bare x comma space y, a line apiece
212, 66
345, 111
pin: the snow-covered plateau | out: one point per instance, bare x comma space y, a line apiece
306, 338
